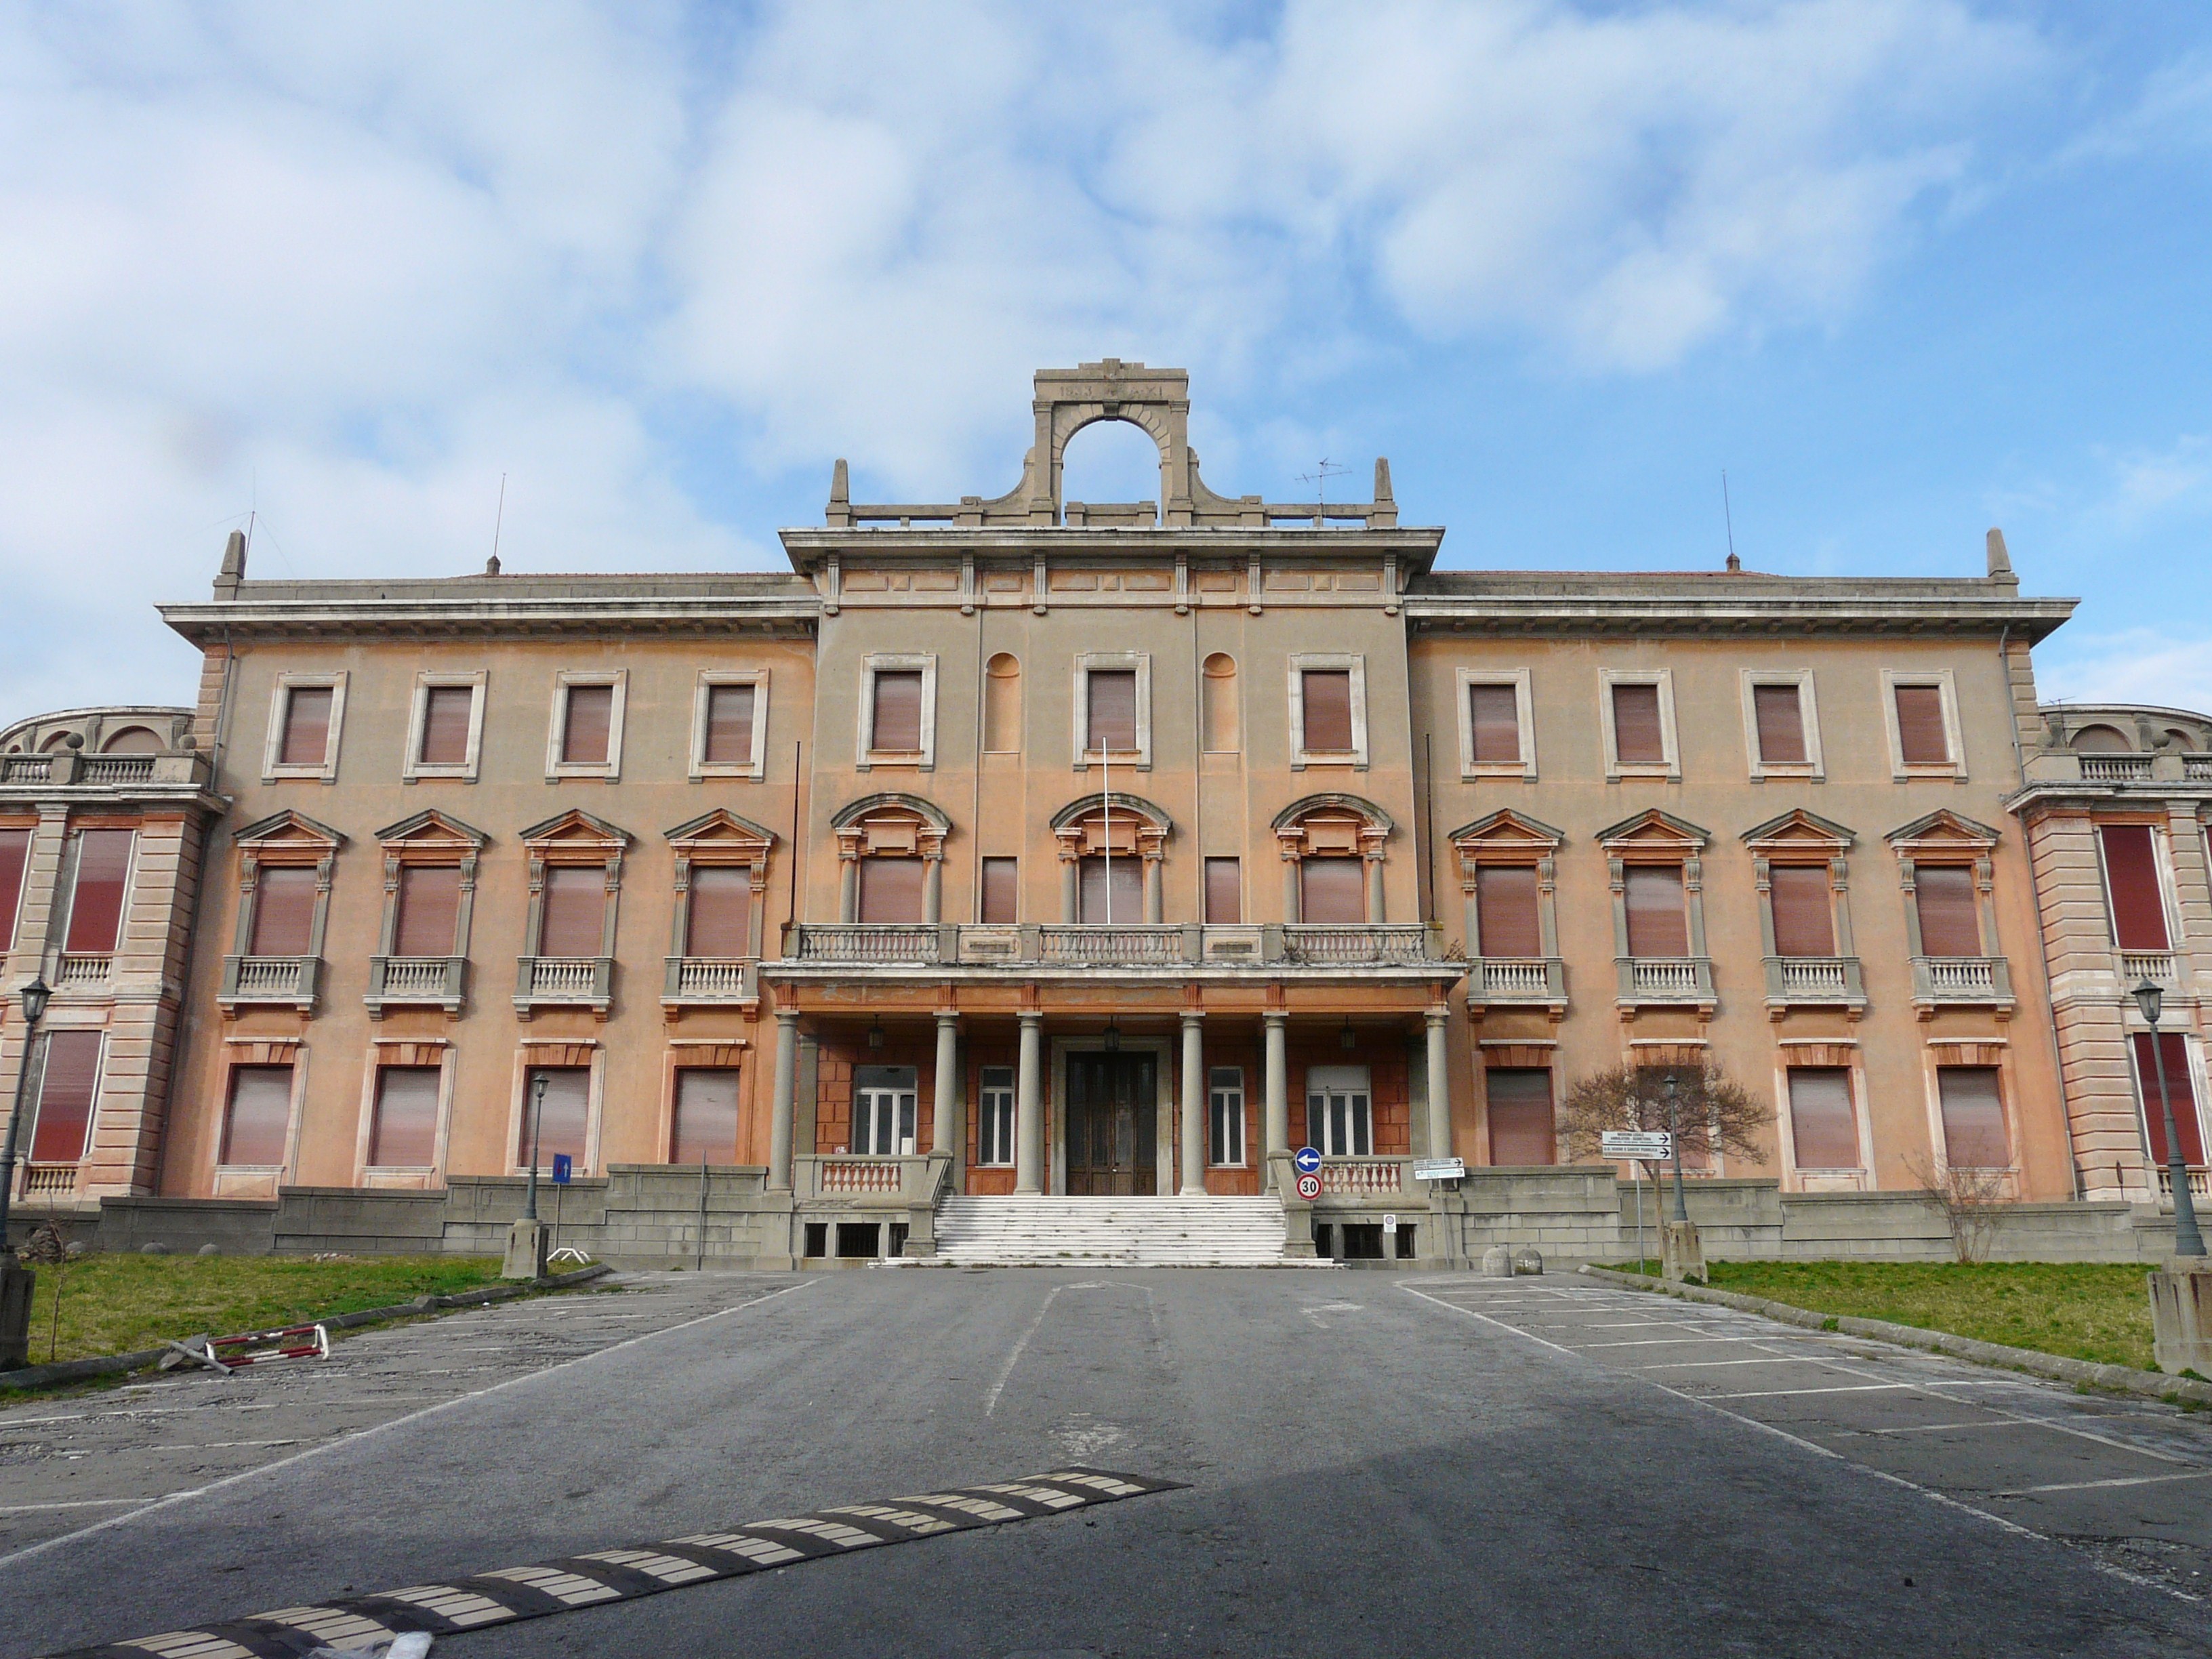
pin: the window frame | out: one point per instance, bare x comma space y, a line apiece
34, 1109
1942, 679
413, 769
379, 1063
865, 756
1140, 757
983, 866
1302, 662
240, 1056
2162, 877
1854, 1098
2008, 1116
905, 1107
528, 1058
702, 768
1364, 1096
2195, 1076
1216, 1089
557, 725
1812, 768
11, 919
1669, 765
1465, 680
986, 1089
73, 856
280, 704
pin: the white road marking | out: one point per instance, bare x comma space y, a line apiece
991, 1399
1666, 1342
2092, 1485
73, 1504
1707, 1364
1777, 1394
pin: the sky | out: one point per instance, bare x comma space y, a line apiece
1901, 269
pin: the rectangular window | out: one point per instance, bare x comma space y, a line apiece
97, 899
1113, 889
1000, 899
1950, 918
1332, 889
560, 1126
1658, 925
2138, 905
2181, 1089
1638, 739
15, 859
1327, 694
306, 736
1804, 912
1506, 913
1781, 716
428, 922
574, 921
720, 917
728, 739
1340, 1111
1825, 1134
586, 725
67, 1092
1111, 702
893, 889
894, 724
884, 1102
403, 1135
1973, 1118
283, 910
994, 1117
1522, 1129
260, 1118
1493, 713
1923, 737
1225, 890
706, 1130
448, 712
1225, 1141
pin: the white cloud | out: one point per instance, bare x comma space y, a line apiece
2142, 664
2146, 483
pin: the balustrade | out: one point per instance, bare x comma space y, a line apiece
1363, 1178
81, 971
2114, 768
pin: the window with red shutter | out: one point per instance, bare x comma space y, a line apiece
1638, 739
729, 725
1112, 707
306, 735
1326, 696
1225, 890
573, 922
1781, 717
96, 898
1332, 889
260, 1117
283, 910
429, 923
560, 1126
1493, 715
15, 858
892, 890
1658, 925
894, 723
403, 1135
2138, 907
1950, 917
586, 730
67, 1092
1522, 1128
2181, 1093
1974, 1117
1002, 889
1124, 884
1804, 914
1505, 911
1825, 1134
446, 712
706, 1115
1921, 737
720, 920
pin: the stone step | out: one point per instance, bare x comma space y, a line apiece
1142, 1231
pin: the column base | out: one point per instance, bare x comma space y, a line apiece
2180, 1316
1680, 1255
15, 1282
527, 1245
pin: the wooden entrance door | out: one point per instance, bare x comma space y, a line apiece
1112, 1110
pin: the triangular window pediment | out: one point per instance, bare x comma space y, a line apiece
1799, 831
289, 832
1653, 831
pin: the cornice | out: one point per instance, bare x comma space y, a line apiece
505, 607
807, 547
1730, 603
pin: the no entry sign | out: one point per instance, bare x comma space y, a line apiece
1310, 1187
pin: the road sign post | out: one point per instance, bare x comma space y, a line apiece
1634, 1147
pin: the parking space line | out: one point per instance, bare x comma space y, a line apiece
1666, 1342
1775, 1394
2094, 1485
1707, 1364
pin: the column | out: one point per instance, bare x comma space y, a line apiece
1374, 891
786, 1094
945, 1134
1275, 1069
1440, 1129
932, 891
1155, 910
1069, 891
1029, 1107
1193, 1104
849, 890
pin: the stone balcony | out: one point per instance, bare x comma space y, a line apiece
1166, 948
417, 982
70, 768
564, 983
1517, 982
1960, 982
280, 981
710, 982
1813, 982
1664, 982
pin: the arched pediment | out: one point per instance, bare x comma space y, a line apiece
1652, 831
1115, 823
890, 825
1333, 804
1332, 825
1800, 831
1116, 802
890, 804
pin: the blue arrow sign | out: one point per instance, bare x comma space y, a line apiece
1306, 1159
561, 1165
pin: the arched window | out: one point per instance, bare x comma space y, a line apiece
2101, 740
892, 851
1217, 699
1110, 852
132, 740
1002, 704
1332, 847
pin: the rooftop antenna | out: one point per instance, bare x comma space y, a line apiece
1324, 470
1728, 517
499, 518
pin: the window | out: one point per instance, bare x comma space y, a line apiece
584, 737
403, 1133
1922, 711
2132, 886
718, 922
448, 727
1113, 889
1784, 730
1113, 710
283, 910
562, 1121
1327, 694
1340, 1111
1000, 899
1329, 709
994, 1117
428, 921
1973, 1118
1002, 704
1804, 913
1636, 730
573, 921
1218, 714
2181, 1089
896, 727
884, 1105
259, 1120
1225, 1093
1522, 1128
893, 889
1950, 918
1332, 889
68, 1089
706, 1128
307, 733
1496, 727
15, 859
1824, 1133
304, 714
97, 895
1636, 713
729, 724
1506, 913
1658, 924
1225, 890
898, 710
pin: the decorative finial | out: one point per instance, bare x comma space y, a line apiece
2000, 559
491, 565
1734, 564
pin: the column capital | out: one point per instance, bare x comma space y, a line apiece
1030, 1016
1439, 1014
1192, 1016
948, 1018
1276, 1016
787, 1017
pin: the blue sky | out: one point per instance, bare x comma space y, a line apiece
1904, 270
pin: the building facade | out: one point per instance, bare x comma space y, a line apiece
1018, 846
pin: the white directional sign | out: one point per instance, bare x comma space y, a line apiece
1389, 1223
1636, 1143
1439, 1168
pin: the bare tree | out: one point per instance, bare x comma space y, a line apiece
1971, 1202
1714, 1113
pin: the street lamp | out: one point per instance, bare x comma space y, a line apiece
1675, 1135
35, 1007
537, 1129
2187, 1241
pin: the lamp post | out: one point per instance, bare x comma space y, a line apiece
1674, 1136
537, 1128
2187, 1240
35, 1007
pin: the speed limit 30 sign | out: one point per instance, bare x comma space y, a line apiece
1308, 1187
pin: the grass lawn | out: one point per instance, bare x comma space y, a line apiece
2098, 1311
122, 1304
